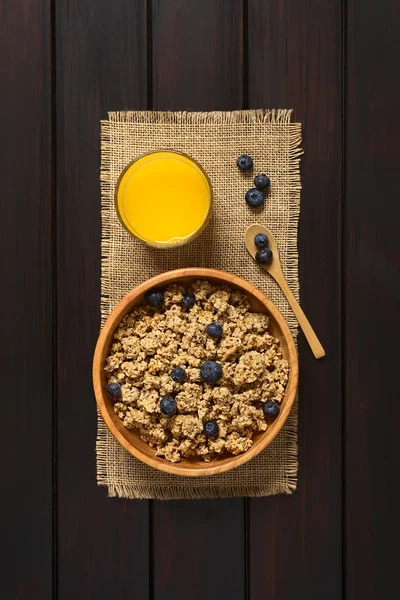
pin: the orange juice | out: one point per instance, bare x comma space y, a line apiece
164, 198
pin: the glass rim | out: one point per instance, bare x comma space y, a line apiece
190, 238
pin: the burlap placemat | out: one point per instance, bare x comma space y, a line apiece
215, 139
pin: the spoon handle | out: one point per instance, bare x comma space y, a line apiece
304, 323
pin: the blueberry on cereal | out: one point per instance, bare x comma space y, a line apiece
154, 298
271, 409
168, 405
114, 389
188, 301
210, 371
178, 375
214, 330
211, 429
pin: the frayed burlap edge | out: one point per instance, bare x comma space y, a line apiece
275, 116
202, 118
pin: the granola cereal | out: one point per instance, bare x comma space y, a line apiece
150, 342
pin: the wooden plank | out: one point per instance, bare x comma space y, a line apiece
372, 299
199, 546
197, 55
295, 62
101, 65
199, 549
26, 298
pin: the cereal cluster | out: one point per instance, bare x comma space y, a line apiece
150, 342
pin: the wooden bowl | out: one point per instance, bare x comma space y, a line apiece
130, 440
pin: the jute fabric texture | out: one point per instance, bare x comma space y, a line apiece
215, 140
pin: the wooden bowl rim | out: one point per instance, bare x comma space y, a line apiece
290, 392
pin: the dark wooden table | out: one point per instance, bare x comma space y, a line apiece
63, 65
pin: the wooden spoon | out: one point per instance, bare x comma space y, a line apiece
275, 270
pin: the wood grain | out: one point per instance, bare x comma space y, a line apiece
372, 299
295, 62
26, 299
199, 549
103, 544
197, 54
131, 440
197, 64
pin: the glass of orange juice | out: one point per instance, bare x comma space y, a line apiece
164, 198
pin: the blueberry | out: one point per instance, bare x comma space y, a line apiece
154, 298
211, 429
244, 162
114, 389
168, 405
254, 198
261, 181
271, 409
263, 256
261, 241
214, 330
178, 375
210, 371
188, 300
